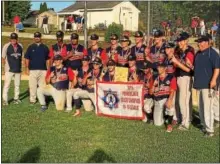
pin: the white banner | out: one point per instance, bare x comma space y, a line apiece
119, 100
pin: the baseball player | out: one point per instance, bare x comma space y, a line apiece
110, 74
157, 51
57, 80
185, 56
206, 74
36, 59
75, 53
77, 83
163, 89
134, 74
114, 49
147, 79
122, 57
95, 51
139, 49
60, 48
12, 58
88, 83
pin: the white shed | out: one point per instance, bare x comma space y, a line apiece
107, 12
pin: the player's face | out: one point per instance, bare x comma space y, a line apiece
37, 40
96, 66
131, 63
85, 63
111, 68
57, 62
14, 41
59, 39
124, 44
146, 71
158, 40
74, 41
182, 44
113, 42
161, 70
138, 40
94, 42
169, 51
203, 45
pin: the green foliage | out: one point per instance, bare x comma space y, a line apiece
43, 7
113, 28
20, 8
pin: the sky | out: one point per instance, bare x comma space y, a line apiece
58, 6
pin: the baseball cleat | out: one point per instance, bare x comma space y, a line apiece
17, 101
43, 108
169, 128
5, 103
209, 134
182, 127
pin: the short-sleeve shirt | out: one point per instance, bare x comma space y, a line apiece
205, 63
38, 56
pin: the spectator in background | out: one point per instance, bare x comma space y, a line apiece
45, 24
16, 21
202, 26
69, 23
194, 25
72, 20
79, 25
214, 30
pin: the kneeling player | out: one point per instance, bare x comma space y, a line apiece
163, 89
57, 80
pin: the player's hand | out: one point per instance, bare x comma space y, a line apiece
75, 72
212, 83
174, 60
89, 74
168, 104
52, 74
27, 72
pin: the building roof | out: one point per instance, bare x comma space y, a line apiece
90, 5
49, 11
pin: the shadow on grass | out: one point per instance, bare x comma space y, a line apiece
100, 156
31, 156
195, 119
22, 96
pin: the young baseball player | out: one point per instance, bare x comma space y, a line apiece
110, 74
122, 57
88, 83
139, 49
95, 51
12, 57
57, 80
77, 82
60, 48
163, 89
75, 53
114, 49
147, 79
185, 56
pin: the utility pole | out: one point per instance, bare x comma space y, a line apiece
148, 22
3, 11
85, 26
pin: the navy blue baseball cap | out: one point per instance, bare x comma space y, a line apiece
182, 36
114, 37
58, 57
97, 61
170, 45
138, 34
74, 36
37, 35
94, 37
59, 34
111, 63
203, 38
86, 58
14, 36
158, 34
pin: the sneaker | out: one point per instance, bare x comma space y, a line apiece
77, 113
5, 103
17, 101
182, 127
169, 128
43, 108
209, 134
33, 102
68, 110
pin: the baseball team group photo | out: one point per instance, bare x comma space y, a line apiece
115, 82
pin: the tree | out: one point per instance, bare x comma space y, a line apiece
20, 8
43, 7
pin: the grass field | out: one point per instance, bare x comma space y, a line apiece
28, 135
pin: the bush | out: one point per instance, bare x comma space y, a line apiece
113, 28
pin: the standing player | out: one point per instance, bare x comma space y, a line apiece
122, 57
88, 83
75, 53
185, 56
59, 48
57, 80
163, 89
139, 49
12, 57
95, 51
157, 51
36, 58
114, 49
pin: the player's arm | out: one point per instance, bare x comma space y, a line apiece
48, 76
173, 88
72, 78
85, 78
180, 65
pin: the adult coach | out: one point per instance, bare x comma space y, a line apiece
36, 59
12, 57
206, 73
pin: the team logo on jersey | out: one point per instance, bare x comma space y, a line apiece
142, 49
64, 68
16, 55
168, 82
110, 99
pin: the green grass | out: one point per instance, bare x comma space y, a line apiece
29, 135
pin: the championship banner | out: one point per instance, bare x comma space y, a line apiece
119, 100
